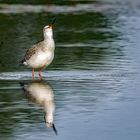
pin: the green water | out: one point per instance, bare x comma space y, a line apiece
94, 76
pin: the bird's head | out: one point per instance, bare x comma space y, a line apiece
49, 122
48, 30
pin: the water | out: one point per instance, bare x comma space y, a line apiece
94, 77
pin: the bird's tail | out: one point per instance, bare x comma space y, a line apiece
22, 62
22, 84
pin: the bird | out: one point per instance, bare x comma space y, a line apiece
41, 93
41, 54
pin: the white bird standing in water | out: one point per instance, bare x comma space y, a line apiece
42, 94
40, 55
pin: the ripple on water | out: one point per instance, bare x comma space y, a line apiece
65, 75
14, 8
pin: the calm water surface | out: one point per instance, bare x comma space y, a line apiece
94, 77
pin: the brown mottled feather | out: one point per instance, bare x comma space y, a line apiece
30, 52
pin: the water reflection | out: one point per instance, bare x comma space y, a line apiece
41, 93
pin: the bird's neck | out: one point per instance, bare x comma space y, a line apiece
48, 38
49, 43
48, 35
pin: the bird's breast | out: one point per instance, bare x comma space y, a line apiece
41, 59
45, 57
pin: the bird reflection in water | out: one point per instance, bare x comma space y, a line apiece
41, 93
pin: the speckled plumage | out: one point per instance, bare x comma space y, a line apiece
41, 54
30, 52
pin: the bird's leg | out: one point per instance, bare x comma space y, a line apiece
32, 73
40, 73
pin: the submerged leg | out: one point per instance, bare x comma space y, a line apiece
40, 74
32, 73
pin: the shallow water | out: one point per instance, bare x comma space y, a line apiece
94, 76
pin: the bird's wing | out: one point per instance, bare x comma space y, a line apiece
30, 52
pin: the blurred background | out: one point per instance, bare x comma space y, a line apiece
94, 76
